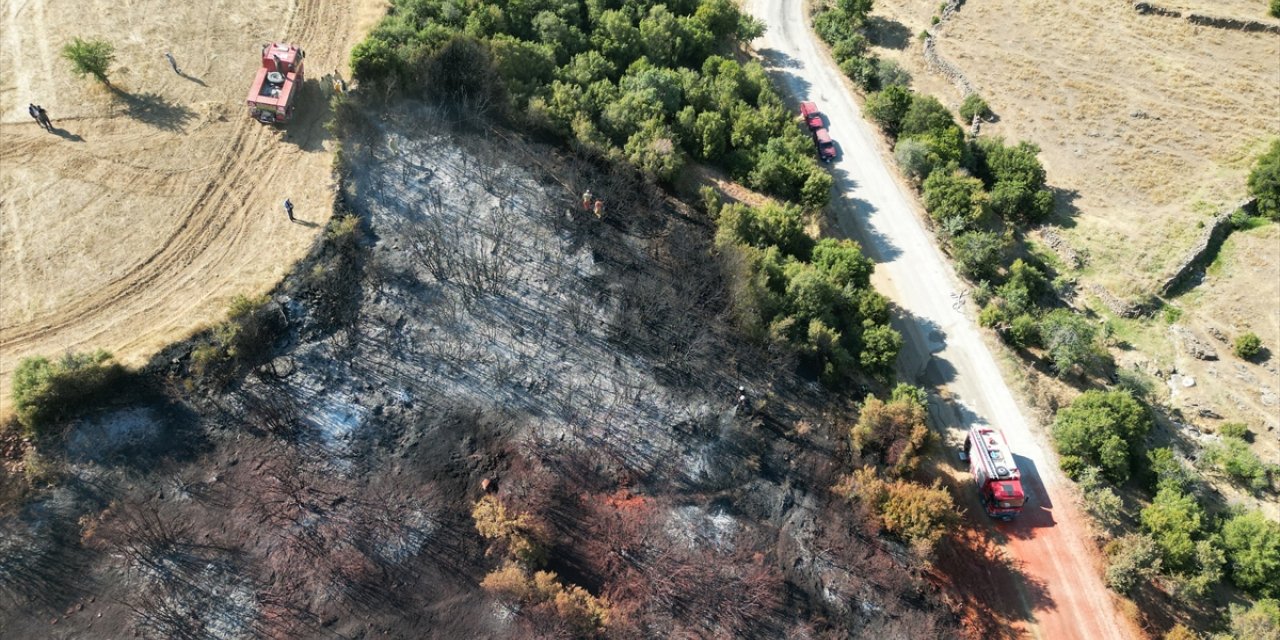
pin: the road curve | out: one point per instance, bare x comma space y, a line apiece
1063, 595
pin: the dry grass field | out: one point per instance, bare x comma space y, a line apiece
151, 205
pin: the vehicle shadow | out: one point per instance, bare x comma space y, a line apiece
1037, 513
312, 112
153, 109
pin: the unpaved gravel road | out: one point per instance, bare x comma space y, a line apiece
943, 344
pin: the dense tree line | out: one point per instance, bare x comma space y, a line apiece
652, 83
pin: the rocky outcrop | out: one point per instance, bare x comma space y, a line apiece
1192, 344
1119, 306
1073, 258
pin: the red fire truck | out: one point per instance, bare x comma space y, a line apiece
277, 84
993, 469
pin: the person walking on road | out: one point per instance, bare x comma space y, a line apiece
173, 63
44, 118
288, 208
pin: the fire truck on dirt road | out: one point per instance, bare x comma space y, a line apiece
994, 472
277, 84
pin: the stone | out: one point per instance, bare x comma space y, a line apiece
1188, 381
1193, 344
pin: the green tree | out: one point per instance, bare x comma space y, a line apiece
1101, 500
973, 105
776, 225
653, 150
1252, 542
46, 393
925, 116
1247, 345
1173, 519
1102, 428
711, 133
842, 262
888, 107
978, 254
1275, 9
1167, 470
880, 346
1264, 180
816, 192
890, 74
1233, 457
616, 38
826, 346
1070, 339
90, 57
952, 194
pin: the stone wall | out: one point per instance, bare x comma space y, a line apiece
1252, 26
1205, 248
937, 63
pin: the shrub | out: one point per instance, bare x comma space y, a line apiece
1024, 331
1275, 9
891, 74
861, 70
1102, 428
973, 105
1258, 622
893, 433
1071, 341
1233, 457
926, 115
880, 346
1167, 470
1173, 519
888, 107
543, 594
1264, 180
1016, 179
951, 194
90, 57
918, 513
1099, 499
1234, 430
1131, 559
978, 254
1252, 543
1181, 632
913, 157
770, 225
1247, 345
47, 393
522, 537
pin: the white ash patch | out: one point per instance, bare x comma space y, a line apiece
105, 435
697, 527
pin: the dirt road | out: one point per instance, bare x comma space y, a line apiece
943, 345
152, 204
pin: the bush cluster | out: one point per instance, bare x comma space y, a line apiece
914, 512
1247, 345
47, 393
892, 434
842, 24
1101, 429
1264, 180
815, 295
244, 341
637, 81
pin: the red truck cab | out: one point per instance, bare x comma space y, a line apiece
812, 117
994, 472
277, 84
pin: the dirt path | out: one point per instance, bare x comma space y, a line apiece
943, 344
150, 207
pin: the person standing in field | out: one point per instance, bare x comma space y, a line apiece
44, 118
173, 63
34, 112
288, 208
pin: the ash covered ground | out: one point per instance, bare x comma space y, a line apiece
485, 335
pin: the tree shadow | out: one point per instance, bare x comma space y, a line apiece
887, 33
153, 109
1065, 210
778, 60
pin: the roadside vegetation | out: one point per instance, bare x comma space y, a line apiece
981, 195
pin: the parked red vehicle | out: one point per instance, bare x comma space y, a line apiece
994, 472
277, 84
826, 146
812, 117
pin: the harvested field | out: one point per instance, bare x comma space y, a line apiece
154, 203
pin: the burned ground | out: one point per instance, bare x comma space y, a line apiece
490, 333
